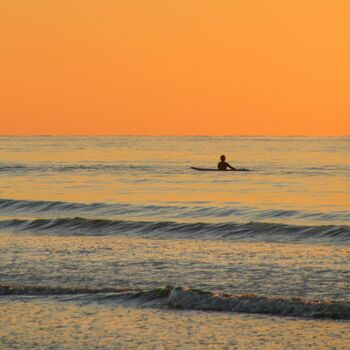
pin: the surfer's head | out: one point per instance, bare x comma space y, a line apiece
223, 158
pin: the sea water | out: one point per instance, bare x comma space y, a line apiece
115, 242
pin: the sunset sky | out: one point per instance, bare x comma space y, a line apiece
213, 67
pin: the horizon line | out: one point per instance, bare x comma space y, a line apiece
170, 135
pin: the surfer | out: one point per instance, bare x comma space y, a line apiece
223, 165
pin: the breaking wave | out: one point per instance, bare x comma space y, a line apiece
194, 299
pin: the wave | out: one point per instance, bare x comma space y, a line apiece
43, 290
17, 168
251, 231
194, 299
32, 206
10, 206
9, 169
189, 299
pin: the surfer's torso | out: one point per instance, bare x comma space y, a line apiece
223, 166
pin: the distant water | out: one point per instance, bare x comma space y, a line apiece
125, 221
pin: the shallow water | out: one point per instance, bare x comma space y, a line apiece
47, 324
122, 230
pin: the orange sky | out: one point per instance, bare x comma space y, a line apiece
220, 67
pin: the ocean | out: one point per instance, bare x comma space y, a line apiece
116, 243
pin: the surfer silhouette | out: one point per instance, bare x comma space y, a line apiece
223, 165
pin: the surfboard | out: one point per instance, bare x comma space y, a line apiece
212, 169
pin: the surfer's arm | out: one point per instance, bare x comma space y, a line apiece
231, 167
